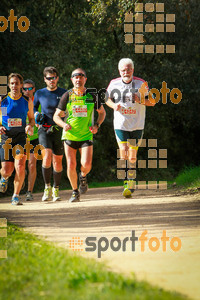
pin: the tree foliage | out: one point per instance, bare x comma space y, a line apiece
90, 34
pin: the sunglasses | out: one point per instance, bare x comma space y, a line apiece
28, 89
78, 74
51, 78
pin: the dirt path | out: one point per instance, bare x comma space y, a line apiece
104, 213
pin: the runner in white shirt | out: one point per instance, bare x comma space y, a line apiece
128, 96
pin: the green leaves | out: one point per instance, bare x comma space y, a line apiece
90, 34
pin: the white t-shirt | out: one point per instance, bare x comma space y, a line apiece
131, 116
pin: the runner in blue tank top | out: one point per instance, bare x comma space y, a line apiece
13, 130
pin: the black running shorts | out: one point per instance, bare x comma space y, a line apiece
77, 145
51, 139
11, 146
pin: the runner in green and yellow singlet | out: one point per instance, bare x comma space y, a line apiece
78, 129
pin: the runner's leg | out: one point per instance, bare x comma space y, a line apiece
20, 165
32, 172
7, 167
57, 173
70, 154
46, 165
86, 159
86, 165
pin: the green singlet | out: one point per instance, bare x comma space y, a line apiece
80, 111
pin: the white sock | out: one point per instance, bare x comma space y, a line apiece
15, 195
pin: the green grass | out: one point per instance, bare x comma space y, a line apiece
106, 184
94, 184
36, 269
189, 178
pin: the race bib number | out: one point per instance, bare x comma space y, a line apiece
80, 111
15, 122
128, 111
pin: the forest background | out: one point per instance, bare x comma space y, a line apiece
90, 34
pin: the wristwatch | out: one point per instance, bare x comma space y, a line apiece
98, 125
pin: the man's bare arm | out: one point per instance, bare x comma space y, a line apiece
57, 119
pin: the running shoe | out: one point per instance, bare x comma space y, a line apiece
75, 197
3, 185
55, 194
131, 185
47, 194
15, 201
29, 196
126, 192
83, 187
